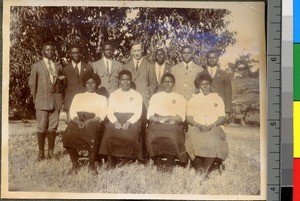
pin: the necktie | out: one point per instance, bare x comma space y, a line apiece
187, 67
159, 75
76, 69
137, 65
52, 72
211, 72
107, 67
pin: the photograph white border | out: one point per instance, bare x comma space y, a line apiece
5, 91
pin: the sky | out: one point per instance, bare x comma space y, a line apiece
248, 20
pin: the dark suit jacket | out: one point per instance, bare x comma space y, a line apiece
110, 81
144, 79
221, 84
73, 84
167, 69
46, 96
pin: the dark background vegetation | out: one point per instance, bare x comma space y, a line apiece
204, 29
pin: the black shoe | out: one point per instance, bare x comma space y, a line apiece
41, 156
74, 169
50, 154
93, 170
111, 162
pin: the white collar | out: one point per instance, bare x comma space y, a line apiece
189, 64
74, 64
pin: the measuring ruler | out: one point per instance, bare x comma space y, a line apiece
273, 98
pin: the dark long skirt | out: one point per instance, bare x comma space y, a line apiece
211, 144
166, 139
83, 139
122, 143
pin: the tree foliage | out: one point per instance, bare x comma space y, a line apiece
244, 67
166, 28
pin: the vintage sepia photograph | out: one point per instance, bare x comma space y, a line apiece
134, 100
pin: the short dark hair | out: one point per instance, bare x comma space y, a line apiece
200, 78
90, 75
74, 46
161, 49
136, 42
125, 72
108, 43
213, 51
44, 44
187, 46
167, 74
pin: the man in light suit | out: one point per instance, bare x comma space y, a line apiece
160, 67
73, 73
143, 81
143, 74
185, 73
107, 68
46, 86
221, 82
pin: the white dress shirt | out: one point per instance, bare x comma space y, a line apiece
78, 66
159, 70
52, 66
109, 63
212, 71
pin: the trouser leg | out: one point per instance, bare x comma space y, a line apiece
41, 143
51, 142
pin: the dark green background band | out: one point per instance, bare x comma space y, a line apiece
296, 71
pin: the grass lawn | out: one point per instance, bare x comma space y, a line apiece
240, 177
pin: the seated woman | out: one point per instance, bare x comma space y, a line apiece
165, 135
206, 141
87, 113
122, 136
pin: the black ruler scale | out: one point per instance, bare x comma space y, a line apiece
274, 8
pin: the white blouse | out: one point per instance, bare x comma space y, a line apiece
125, 102
166, 104
206, 109
89, 102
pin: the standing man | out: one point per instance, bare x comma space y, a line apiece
107, 68
160, 67
143, 74
221, 82
73, 73
185, 73
46, 87
143, 81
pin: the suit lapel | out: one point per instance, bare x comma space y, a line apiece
113, 63
217, 74
57, 71
83, 69
139, 70
45, 69
167, 68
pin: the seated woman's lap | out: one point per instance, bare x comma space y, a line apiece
122, 143
209, 144
165, 139
86, 138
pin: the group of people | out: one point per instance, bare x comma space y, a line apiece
134, 111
